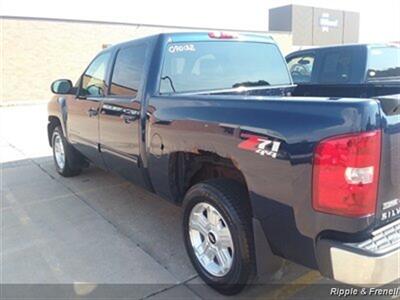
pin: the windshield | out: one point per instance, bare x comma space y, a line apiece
200, 66
383, 63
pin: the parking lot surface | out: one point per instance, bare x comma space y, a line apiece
97, 228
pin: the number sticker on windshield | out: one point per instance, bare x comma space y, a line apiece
181, 48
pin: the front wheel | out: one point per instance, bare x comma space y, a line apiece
218, 234
67, 160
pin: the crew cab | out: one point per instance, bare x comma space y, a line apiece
207, 121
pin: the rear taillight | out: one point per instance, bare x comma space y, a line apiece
346, 174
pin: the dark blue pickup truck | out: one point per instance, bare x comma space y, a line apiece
206, 120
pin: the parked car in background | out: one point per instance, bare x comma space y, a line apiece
361, 70
204, 120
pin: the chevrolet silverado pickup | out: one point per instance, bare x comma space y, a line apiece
207, 121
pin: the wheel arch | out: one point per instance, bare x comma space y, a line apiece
187, 169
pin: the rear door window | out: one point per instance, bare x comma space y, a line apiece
301, 68
336, 66
128, 71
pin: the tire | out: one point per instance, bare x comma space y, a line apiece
71, 164
230, 201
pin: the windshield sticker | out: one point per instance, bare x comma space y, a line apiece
181, 48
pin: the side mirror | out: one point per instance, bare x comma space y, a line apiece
95, 90
61, 86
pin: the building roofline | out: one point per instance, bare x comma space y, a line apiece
139, 24
310, 6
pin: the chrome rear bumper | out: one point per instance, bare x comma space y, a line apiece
373, 262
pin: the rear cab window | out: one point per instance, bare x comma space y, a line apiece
383, 63
210, 65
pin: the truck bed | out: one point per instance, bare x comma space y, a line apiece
280, 186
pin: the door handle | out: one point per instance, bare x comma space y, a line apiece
130, 116
92, 112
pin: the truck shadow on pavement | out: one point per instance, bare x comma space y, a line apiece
100, 229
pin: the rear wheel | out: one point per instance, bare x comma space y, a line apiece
67, 160
218, 234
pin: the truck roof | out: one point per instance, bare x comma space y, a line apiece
366, 45
218, 35
177, 37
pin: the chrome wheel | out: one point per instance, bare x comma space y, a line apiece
59, 153
211, 239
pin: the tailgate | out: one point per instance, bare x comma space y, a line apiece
389, 187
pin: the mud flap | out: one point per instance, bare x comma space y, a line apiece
267, 263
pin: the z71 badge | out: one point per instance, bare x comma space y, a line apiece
260, 145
